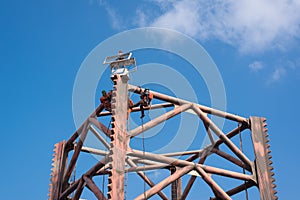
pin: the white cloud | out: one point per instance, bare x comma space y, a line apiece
116, 20
256, 66
278, 74
182, 17
252, 26
141, 18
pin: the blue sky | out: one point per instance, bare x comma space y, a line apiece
255, 45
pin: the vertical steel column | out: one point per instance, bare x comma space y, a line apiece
263, 159
59, 161
175, 186
118, 137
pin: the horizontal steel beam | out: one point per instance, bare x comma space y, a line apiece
184, 153
147, 168
94, 151
137, 109
178, 101
183, 163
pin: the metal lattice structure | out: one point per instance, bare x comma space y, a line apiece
120, 158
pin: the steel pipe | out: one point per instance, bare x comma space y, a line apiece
146, 168
158, 120
215, 187
222, 136
79, 190
101, 126
69, 190
76, 153
191, 182
237, 189
178, 101
183, 163
93, 187
99, 137
231, 159
137, 109
94, 151
164, 183
146, 179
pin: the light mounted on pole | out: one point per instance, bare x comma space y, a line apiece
121, 64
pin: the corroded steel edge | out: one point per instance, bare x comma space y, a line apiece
264, 168
112, 137
118, 144
57, 171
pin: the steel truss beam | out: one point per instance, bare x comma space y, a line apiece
118, 153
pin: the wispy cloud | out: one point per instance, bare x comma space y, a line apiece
183, 17
251, 26
141, 19
278, 74
256, 66
284, 68
115, 19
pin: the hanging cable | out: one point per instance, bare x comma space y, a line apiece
143, 149
241, 148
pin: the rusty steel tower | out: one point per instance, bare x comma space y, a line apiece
120, 158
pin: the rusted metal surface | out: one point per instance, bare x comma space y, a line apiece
222, 136
161, 185
159, 120
93, 187
183, 163
137, 109
118, 153
263, 159
60, 187
99, 137
75, 154
176, 186
101, 126
118, 137
191, 181
231, 159
58, 169
69, 190
145, 178
178, 101
237, 189
218, 191
79, 190
79, 184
